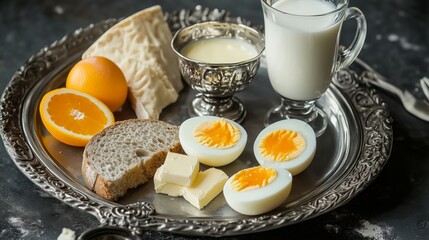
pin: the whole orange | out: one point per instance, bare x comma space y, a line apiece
101, 78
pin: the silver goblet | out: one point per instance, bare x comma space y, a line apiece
217, 83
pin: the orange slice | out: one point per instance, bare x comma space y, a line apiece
73, 117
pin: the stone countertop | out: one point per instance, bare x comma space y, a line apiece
394, 206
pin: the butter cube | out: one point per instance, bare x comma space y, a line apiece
170, 189
179, 169
206, 187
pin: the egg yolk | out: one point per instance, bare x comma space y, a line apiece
253, 178
282, 145
217, 134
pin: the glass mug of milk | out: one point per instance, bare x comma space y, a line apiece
303, 54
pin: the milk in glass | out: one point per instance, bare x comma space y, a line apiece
301, 51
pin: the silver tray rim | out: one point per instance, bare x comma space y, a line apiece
375, 122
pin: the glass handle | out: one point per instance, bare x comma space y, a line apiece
348, 54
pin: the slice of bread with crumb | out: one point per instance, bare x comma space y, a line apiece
127, 154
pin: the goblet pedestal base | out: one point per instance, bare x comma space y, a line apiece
227, 107
306, 111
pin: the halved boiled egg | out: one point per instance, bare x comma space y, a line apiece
257, 190
288, 144
214, 140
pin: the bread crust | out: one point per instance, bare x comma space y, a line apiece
133, 177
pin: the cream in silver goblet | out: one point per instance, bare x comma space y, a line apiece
217, 81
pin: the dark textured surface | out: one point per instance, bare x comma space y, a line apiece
394, 206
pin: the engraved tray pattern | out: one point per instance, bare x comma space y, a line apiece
376, 142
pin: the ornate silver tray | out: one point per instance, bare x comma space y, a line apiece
350, 154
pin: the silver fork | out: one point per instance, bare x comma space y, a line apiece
424, 82
416, 107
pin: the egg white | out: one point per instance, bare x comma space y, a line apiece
298, 164
260, 200
214, 157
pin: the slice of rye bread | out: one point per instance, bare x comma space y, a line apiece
127, 154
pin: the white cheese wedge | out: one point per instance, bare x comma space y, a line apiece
205, 187
161, 186
179, 169
140, 46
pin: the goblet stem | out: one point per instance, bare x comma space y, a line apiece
219, 103
226, 106
306, 111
